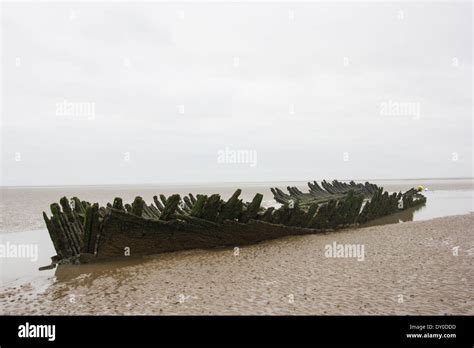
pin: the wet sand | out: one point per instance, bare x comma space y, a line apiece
408, 268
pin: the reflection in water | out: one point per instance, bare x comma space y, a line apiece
403, 216
85, 274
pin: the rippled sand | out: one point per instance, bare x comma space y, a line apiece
409, 268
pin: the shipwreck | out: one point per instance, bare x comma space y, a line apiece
82, 232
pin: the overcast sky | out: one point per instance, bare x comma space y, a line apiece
151, 93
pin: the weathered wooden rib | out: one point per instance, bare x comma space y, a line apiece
88, 232
323, 193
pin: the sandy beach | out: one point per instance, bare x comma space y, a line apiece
408, 268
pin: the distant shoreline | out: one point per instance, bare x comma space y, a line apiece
217, 183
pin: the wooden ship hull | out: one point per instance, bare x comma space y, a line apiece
82, 232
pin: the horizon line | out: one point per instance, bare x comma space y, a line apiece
219, 182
